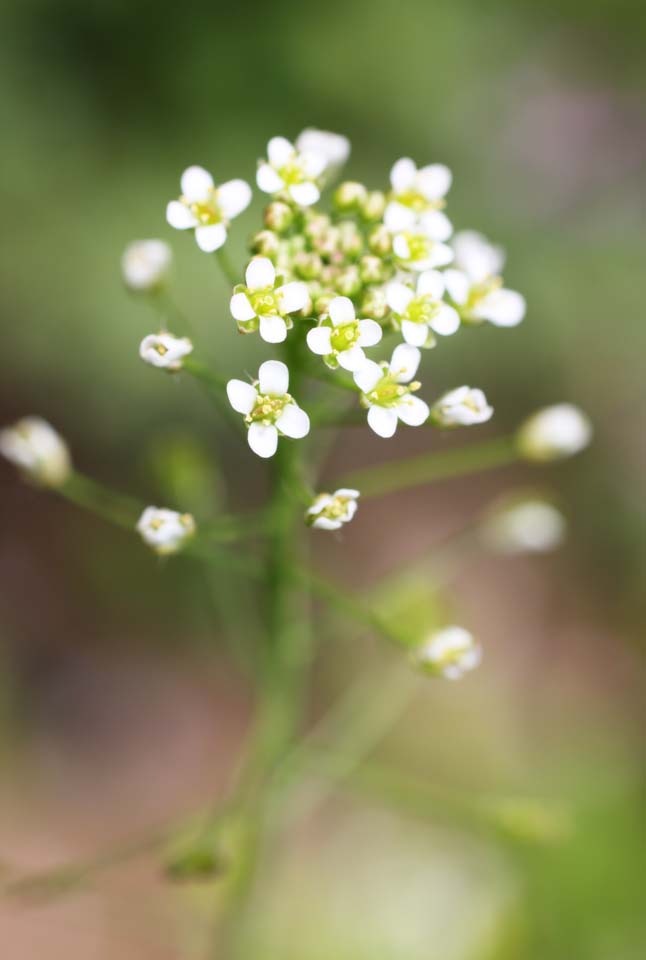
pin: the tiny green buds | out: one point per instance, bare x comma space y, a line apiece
349, 196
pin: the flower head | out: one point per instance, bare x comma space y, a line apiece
419, 239
145, 264
554, 432
261, 305
165, 351
527, 525
333, 146
292, 172
37, 450
462, 407
340, 337
475, 284
422, 189
329, 511
449, 653
421, 312
268, 409
207, 209
387, 391
165, 531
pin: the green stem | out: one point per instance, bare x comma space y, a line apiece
226, 266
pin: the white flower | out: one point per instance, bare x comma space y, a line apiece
165, 351
384, 394
449, 653
419, 239
554, 432
145, 264
292, 172
38, 450
523, 526
333, 146
165, 531
422, 189
329, 511
462, 407
264, 306
207, 209
268, 409
340, 337
421, 312
475, 284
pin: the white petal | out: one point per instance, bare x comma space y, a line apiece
314, 163
196, 184
273, 378
242, 396
263, 439
233, 197
293, 422
370, 333
404, 363
268, 180
324, 523
273, 329
318, 340
436, 225
334, 146
352, 359
292, 297
348, 492
398, 296
179, 216
211, 238
322, 501
440, 255
430, 284
400, 247
434, 181
369, 375
398, 217
457, 285
304, 194
415, 333
504, 308
476, 256
241, 308
383, 421
341, 311
279, 151
402, 175
446, 322
260, 273
413, 411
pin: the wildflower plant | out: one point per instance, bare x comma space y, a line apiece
347, 286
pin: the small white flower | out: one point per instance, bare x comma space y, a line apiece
475, 284
165, 531
261, 305
449, 653
462, 407
292, 172
419, 239
207, 209
268, 409
340, 337
145, 264
384, 395
37, 450
554, 432
329, 511
165, 351
422, 189
523, 526
333, 146
421, 312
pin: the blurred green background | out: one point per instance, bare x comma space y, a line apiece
109, 660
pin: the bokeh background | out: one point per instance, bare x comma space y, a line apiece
121, 703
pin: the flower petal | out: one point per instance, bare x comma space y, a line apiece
457, 285
352, 359
318, 340
293, 422
292, 297
341, 310
369, 376
268, 180
196, 183
503, 308
404, 363
370, 333
413, 411
179, 216
402, 175
440, 255
242, 396
401, 248
436, 225
260, 273
263, 439
383, 420
324, 523
348, 492
211, 238
398, 217
446, 322
233, 197
314, 163
416, 334
304, 194
398, 296
430, 284
280, 151
273, 377
241, 308
273, 329
434, 181
477, 257
334, 146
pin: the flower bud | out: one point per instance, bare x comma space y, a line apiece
327, 241
374, 205
349, 195
374, 304
165, 531
527, 525
37, 450
266, 243
329, 511
350, 239
553, 433
380, 241
278, 216
307, 266
449, 653
348, 281
145, 265
373, 269
316, 225
165, 351
462, 407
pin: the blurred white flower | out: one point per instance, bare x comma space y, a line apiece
422, 312
263, 306
340, 337
207, 209
268, 409
165, 531
384, 395
145, 264
523, 526
462, 407
329, 511
333, 146
37, 450
422, 189
449, 653
165, 351
554, 432
475, 285
292, 172
419, 240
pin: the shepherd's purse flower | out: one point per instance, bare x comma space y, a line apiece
261, 305
37, 450
421, 312
340, 337
329, 511
165, 531
385, 395
475, 285
268, 409
288, 171
449, 653
165, 350
207, 209
462, 407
